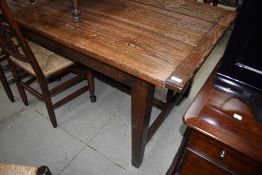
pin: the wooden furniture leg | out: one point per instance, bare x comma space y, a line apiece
20, 88
141, 104
49, 105
169, 95
6, 85
91, 85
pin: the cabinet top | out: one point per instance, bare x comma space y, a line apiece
227, 119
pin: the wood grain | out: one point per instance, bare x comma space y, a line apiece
151, 40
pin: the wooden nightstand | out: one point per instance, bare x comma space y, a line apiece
223, 136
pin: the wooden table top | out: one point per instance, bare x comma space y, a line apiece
216, 114
163, 42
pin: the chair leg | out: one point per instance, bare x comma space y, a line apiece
49, 106
20, 88
91, 85
6, 85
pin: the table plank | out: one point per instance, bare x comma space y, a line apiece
188, 8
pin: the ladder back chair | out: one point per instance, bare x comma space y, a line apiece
5, 68
42, 65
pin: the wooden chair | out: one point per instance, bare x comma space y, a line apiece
42, 65
3, 78
12, 169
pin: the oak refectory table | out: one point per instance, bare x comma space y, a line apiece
143, 44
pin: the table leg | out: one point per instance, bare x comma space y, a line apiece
76, 12
141, 104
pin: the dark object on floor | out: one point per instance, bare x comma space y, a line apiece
43, 170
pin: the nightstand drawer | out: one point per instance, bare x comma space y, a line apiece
221, 155
194, 164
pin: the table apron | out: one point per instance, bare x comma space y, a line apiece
86, 60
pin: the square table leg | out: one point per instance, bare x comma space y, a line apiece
141, 104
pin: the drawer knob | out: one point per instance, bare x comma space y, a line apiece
222, 154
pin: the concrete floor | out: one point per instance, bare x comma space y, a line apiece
93, 139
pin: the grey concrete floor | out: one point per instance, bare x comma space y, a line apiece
92, 139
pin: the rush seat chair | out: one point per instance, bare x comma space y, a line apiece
42, 65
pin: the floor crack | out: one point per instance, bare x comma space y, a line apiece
90, 140
69, 163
